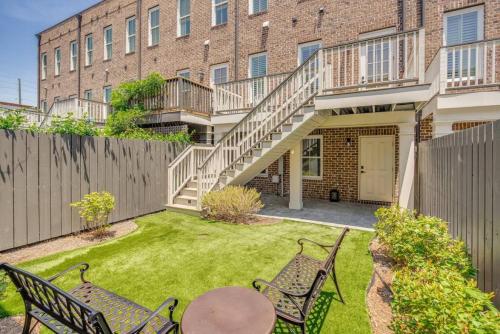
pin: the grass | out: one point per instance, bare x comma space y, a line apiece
178, 255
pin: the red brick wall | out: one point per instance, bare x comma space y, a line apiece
458, 126
426, 128
340, 164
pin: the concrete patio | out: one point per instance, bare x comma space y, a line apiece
355, 215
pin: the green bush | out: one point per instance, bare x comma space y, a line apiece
435, 300
68, 125
129, 94
3, 284
95, 208
233, 204
121, 122
12, 120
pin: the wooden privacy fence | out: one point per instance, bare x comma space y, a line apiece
459, 181
40, 175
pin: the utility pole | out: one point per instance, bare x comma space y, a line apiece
19, 90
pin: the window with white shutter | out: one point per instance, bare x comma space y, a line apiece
257, 71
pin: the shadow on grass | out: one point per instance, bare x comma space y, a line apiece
315, 319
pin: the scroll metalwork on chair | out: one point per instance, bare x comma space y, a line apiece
295, 289
86, 308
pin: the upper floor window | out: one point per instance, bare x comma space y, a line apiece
183, 17
219, 12
44, 106
257, 6
186, 74
219, 74
73, 58
154, 26
57, 61
108, 43
312, 157
89, 50
87, 95
44, 66
130, 38
258, 65
306, 50
463, 26
106, 95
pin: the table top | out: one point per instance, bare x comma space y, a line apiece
230, 310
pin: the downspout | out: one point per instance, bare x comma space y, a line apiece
236, 38
79, 46
39, 70
418, 126
138, 16
422, 13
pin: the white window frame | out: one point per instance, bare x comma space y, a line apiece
480, 21
108, 54
150, 26
251, 8
129, 35
57, 61
258, 89
364, 50
89, 52
181, 73
73, 55
87, 94
104, 93
305, 45
43, 60
213, 68
181, 18
214, 12
44, 106
255, 56
321, 158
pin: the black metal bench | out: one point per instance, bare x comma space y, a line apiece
295, 289
85, 309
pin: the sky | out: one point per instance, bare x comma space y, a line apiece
20, 20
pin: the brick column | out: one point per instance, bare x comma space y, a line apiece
406, 165
296, 177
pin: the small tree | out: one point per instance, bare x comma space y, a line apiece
95, 208
12, 120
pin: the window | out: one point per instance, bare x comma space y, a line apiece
184, 74
72, 97
257, 6
108, 43
89, 50
219, 12
57, 61
44, 106
106, 96
154, 26
73, 59
257, 70
183, 17
87, 95
312, 157
461, 27
44, 66
219, 74
130, 35
306, 50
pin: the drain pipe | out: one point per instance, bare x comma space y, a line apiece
236, 38
79, 65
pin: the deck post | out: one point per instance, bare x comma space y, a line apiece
406, 165
296, 177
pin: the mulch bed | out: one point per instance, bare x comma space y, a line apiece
379, 295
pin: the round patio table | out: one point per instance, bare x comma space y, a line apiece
230, 310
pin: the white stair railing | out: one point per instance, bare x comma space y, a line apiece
269, 115
184, 168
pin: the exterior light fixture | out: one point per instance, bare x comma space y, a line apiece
265, 24
348, 142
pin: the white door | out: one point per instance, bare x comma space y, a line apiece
376, 168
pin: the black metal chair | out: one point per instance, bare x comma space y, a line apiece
87, 308
295, 289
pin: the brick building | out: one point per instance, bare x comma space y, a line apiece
387, 73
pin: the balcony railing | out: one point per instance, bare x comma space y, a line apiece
180, 94
471, 65
80, 109
243, 95
387, 61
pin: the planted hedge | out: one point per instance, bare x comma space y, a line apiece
434, 290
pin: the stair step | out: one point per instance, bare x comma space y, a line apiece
297, 118
277, 135
287, 127
257, 152
186, 200
248, 158
192, 184
190, 192
185, 209
239, 165
266, 144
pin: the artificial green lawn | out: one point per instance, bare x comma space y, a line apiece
183, 256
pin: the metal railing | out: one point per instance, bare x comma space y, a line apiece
184, 168
243, 95
180, 94
376, 62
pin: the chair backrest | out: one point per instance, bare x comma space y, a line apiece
330, 260
60, 305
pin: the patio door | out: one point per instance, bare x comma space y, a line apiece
376, 168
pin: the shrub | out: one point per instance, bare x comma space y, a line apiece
68, 125
121, 122
12, 120
3, 284
436, 300
128, 93
95, 208
232, 204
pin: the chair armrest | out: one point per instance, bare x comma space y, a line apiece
171, 302
82, 266
256, 284
301, 242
